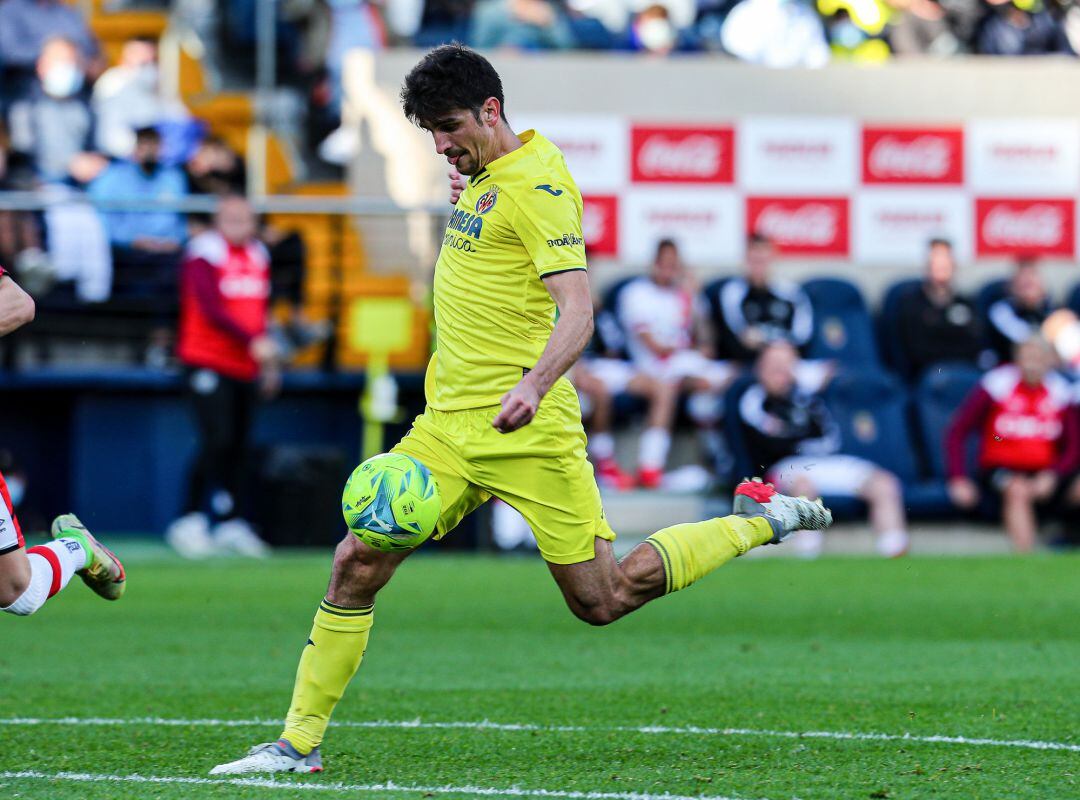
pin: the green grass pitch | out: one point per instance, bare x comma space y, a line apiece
976, 649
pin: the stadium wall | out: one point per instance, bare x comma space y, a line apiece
851, 168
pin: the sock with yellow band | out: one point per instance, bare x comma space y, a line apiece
331, 657
692, 550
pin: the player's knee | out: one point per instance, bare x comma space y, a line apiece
12, 587
359, 571
1017, 489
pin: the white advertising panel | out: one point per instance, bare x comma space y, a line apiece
782, 155
707, 224
1032, 156
597, 147
892, 226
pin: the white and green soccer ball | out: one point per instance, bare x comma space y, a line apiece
391, 502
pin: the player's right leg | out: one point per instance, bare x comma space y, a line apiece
331, 656
343, 622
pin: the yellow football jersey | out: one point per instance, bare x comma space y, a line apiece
517, 221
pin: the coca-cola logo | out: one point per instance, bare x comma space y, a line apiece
912, 156
1036, 226
813, 224
680, 155
801, 225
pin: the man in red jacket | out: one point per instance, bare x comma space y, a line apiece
223, 343
1029, 440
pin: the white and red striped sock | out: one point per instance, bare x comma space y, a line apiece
51, 567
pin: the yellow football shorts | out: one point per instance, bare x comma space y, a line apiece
540, 470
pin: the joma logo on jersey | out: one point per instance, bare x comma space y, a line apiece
469, 224
567, 240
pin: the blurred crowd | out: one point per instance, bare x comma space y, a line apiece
778, 33
750, 361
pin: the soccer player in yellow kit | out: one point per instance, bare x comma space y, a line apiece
501, 418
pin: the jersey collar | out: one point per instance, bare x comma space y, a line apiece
527, 138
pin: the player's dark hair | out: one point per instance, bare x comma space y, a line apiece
756, 238
665, 244
448, 79
938, 241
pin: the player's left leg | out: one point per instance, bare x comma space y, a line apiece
602, 590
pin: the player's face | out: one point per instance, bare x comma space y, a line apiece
776, 370
236, 221
941, 265
466, 143
758, 257
1033, 359
1027, 287
667, 267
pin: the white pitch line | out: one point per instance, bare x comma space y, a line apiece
486, 725
384, 788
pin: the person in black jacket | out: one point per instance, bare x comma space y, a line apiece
792, 436
935, 322
1020, 314
754, 311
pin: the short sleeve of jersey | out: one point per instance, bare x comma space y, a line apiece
547, 219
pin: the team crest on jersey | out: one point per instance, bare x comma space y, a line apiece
487, 200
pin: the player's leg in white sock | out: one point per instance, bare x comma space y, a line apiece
51, 567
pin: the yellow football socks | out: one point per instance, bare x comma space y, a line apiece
331, 657
694, 549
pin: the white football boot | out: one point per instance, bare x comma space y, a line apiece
276, 756
785, 514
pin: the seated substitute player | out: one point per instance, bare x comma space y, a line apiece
30, 577
1029, 441
789, 431
664, 323
500, 418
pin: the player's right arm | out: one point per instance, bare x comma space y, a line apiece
16, 306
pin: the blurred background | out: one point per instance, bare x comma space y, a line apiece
867, 206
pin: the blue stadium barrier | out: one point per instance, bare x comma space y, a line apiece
888, 326
843, 329
872, 412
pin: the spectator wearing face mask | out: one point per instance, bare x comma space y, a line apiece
127, 97
143, 177
27, 25
54, 125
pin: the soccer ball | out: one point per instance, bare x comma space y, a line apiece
391, 502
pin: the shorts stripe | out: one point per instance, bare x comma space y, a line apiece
10, 532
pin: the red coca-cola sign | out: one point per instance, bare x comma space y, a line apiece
813, 226
1022, 227
600, 224
682, 155
913, 155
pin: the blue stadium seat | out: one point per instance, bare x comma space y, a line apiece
990, 294
888, 326
1073, 301
937, 396
872, 411
608, 326
842, 326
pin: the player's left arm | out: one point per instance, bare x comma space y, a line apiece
572, 332
16, 306
548, 221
